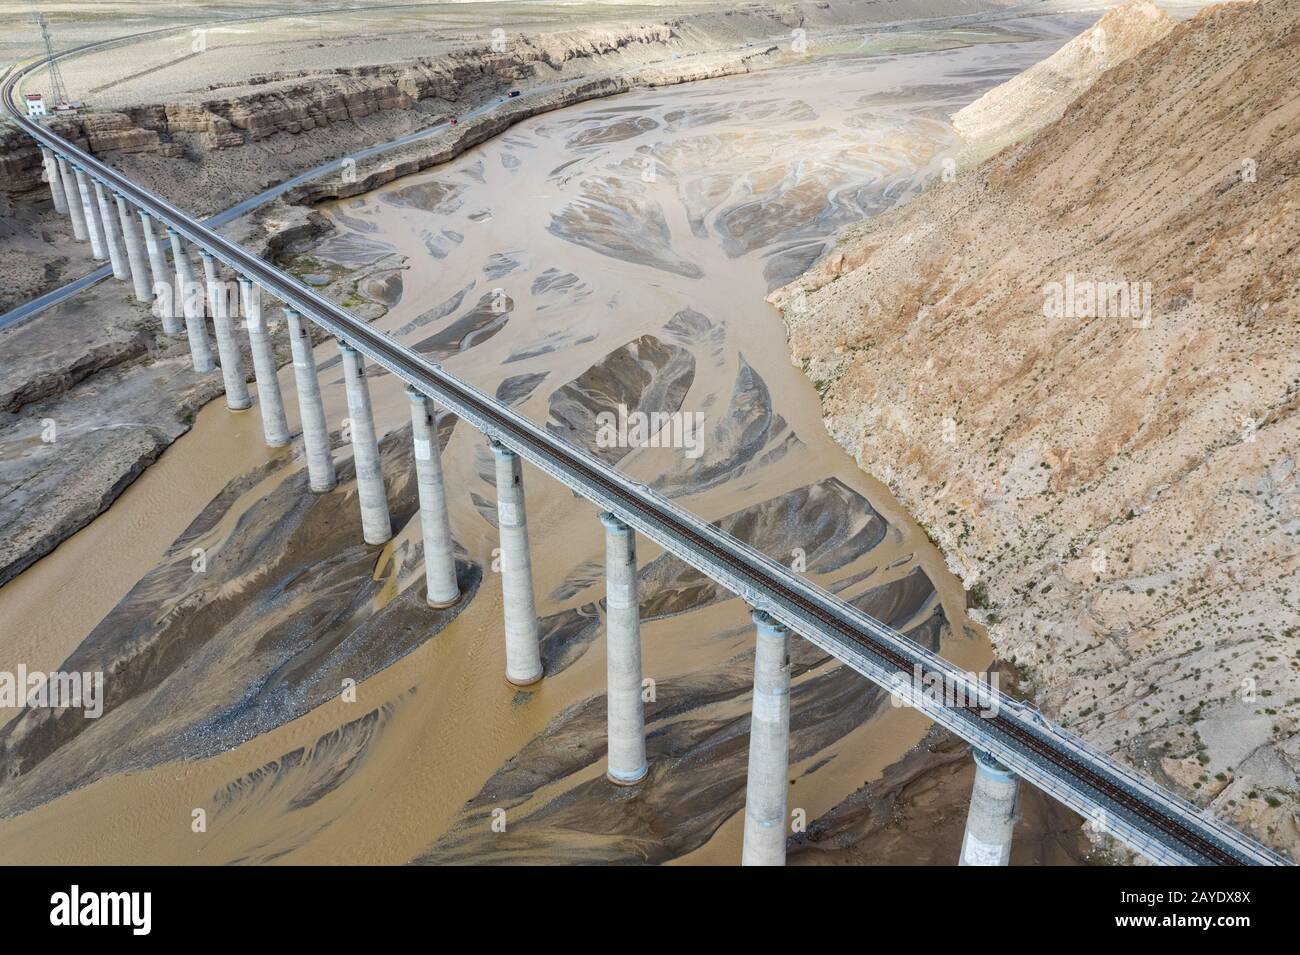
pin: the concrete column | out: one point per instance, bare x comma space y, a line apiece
274, 426
992, 814
523, 640
769, 746
441, 589
195, 328
375, 525
134, 252
315, 432
163, 281
208, 264
232, 362
625, 714
56, 185
90, 213
108, 221
72, 194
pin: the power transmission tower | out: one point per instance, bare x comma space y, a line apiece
58, 89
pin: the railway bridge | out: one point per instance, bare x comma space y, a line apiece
1012, 741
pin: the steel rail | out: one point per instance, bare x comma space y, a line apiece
1149, 819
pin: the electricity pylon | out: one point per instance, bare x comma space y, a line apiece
58, 90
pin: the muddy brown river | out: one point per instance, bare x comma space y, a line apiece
609, 256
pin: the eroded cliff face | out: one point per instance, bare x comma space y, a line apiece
1078, 365
99, 133
291, 104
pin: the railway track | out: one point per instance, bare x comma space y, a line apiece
1151, 820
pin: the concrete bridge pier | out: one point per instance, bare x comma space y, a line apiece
441, 588
91, 215
208, 264
108, 220
315, 432
232, 362
134, 251
992, 815
163, 283
376, 527
195, 328
523, 640
72, 194
56, 185
625, 731
769, 746
275, 427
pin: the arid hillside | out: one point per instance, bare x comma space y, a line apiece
1078, 365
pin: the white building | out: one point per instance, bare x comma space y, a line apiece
35, 105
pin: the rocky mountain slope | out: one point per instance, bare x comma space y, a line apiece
1038, 96
1078, 365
